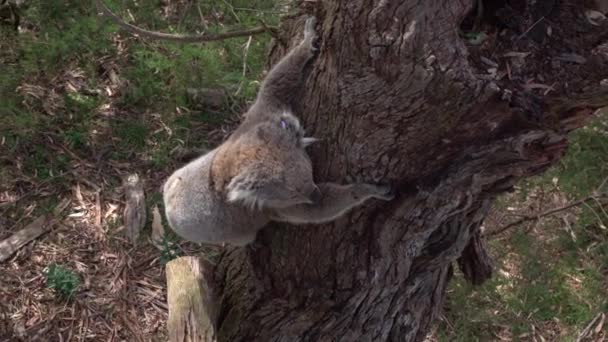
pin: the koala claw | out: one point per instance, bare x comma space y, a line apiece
385, 192
309, 26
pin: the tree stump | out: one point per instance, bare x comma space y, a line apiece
191, 300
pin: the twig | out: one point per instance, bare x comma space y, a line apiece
245, 9
597, 216
245, 52
200, 13
183, 15
599, 188
236, 17
549, 212
530, 28
183, 38
601, 207
588, 328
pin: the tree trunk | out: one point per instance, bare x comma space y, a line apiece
398, 96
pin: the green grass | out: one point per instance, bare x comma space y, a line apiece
132, 133
586, 164
60, 111
68, 35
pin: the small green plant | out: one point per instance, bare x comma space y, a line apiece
75, 137
62, 280
133, 133
170, 249
475, 38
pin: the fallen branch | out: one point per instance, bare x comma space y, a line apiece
33, 230
245, 52
39, 226
549, 212
183, 38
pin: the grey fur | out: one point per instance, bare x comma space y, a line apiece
262, 172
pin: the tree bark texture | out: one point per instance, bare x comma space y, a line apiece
398, 96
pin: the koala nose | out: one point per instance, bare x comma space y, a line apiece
315, 196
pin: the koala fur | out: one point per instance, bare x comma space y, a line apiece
261, 172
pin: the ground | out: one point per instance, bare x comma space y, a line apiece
84, 105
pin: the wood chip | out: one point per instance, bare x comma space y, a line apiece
61, 207
571, 57
489, 62
515, 54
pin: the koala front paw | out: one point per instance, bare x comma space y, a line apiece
310, 35
384, 192
309, 25
380, 191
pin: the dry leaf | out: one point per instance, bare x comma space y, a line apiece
600, 325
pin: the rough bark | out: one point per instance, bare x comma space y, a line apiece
191, 300
397, 96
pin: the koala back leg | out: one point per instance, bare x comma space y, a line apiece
284, 79
335, 200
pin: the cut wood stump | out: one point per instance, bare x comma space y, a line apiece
191, 299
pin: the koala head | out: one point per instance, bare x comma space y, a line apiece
290, 131
280, 173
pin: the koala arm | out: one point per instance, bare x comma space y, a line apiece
282, 83
334, 202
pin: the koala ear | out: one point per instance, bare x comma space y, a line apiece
241, 193
307, 141
253, 194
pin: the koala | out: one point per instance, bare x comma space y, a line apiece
262, 172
